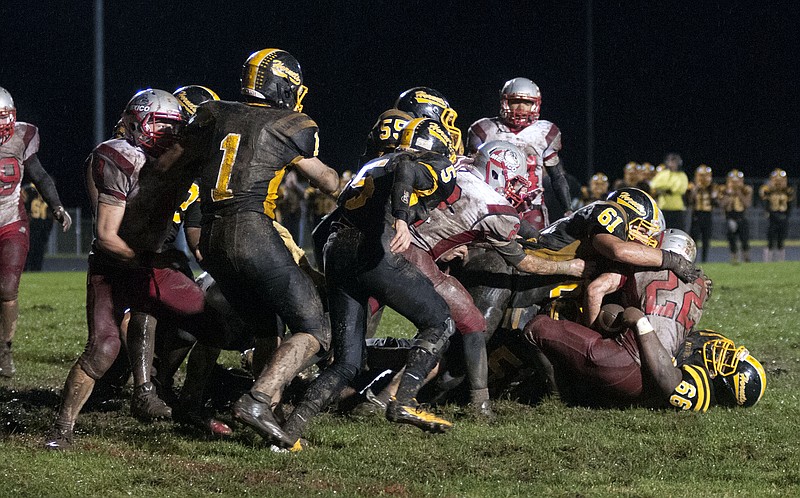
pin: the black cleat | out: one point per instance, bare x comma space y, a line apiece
257, 413
58, 439
412, 414
147, 406
7, 368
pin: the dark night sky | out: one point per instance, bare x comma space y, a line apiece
715, 81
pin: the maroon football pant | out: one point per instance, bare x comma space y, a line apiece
582, 358
465, 314
111, 290
14, 246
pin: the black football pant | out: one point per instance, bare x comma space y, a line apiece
701, 230
357, 268
777, 230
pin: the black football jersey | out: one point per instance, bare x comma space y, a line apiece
404, 185
247, 149
189, 205
570, 237
696, 390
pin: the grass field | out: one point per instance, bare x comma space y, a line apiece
544, 450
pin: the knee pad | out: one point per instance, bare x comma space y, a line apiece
97, 358
434, 339
9, 287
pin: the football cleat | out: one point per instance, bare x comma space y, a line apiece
58, 439
257, 413
483, 410
372, 405
200, 419
414, 415
7, 368
147, 406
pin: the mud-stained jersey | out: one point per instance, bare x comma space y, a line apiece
570, 237
119, 173
13, 154
540, 141
672, 306
479, 214
696, 390
405, 185
249, 148
187, 212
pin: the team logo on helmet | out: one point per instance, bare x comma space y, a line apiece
626, 200
281, 70
439, 133
424, 97
505, 159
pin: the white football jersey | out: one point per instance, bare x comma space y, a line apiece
479, 214
540, 141
13, 154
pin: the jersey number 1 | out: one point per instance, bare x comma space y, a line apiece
229, 147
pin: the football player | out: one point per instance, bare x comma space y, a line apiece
702, 197
363, 258
479, 215
778, 197
172, 345
19, 143
597, 189
735, 198
608, 366
424, 102
632, 174
136, 196
620, 229
243, 150
540, 140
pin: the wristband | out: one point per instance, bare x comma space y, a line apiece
643, 326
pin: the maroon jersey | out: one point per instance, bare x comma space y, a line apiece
13, 154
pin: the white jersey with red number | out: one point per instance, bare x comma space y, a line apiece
540, 141
13, 154
672, 306
479, 214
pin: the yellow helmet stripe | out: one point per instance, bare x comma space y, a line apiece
701, 381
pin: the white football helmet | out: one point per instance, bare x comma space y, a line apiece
152, 120
520, 89
8, 116
504, 167
679, 242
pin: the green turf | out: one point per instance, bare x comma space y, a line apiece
549, 449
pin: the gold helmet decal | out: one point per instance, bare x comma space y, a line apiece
424, 97
274, 75
427, 134
439, 133
626, 200
280, 69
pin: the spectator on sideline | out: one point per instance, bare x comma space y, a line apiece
669, 185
